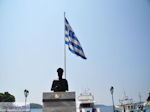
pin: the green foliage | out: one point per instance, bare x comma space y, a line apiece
6, 97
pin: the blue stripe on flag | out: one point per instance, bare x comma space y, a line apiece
74, 45
66, 28
66, 35
66, 21
77, 53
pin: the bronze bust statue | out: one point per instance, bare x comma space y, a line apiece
60, 85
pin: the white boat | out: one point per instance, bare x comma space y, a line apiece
147, 104
127, 105
86, 103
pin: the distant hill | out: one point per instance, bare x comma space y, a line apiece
35, 106
6, 97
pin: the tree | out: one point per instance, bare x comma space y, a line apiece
6, 97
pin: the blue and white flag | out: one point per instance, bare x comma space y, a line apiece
72, 41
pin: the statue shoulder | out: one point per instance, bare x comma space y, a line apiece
64, 79
54, 81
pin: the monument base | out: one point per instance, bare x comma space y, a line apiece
59, 102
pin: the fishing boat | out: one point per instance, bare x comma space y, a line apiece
147, 104
127, 105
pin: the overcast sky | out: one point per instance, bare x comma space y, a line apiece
114, 34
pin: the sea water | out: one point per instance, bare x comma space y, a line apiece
102, 109
36, 110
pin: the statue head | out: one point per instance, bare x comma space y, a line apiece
60, 72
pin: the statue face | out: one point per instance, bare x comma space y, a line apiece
60, 72
60, 75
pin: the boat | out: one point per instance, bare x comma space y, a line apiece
147, 104
128, 105
86, 102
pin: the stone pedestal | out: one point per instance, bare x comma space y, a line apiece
59, 102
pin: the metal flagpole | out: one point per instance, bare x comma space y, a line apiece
64, 48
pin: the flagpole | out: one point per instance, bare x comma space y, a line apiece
64, 48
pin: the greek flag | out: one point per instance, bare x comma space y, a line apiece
72, 41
